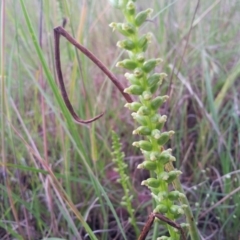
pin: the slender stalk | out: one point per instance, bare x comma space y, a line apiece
48, 190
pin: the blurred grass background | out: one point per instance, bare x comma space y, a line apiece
56, 177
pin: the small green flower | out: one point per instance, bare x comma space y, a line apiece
132, 78
161, 121
128, 64
142, 16
176, 210
134, 106
157, 102
131, 8
161, 208
156, 79
134, 89
152, 183
144, 111
142, 130
175, 195
138, 73
165, 137
126, 44
149, 165
144, 145
139, 118
150, 64
144, 41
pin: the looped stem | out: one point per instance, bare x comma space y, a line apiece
58, 31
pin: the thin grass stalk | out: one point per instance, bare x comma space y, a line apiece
44, 127
32, 148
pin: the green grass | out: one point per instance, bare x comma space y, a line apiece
55, 176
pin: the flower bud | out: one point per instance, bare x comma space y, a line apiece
175, 195
138, 72
154, 87
123, 203
149, 65
126, 44
164, 176
165, 137
140, 57
154, 118
142, 130
152, 182
169, 177
166, 158
156, 134
158, 101
154, 156
113, 25
144, 145
130, 8
177, 211
149, 165
131, 78
143, 111
144, 41
139, 118
162, 195
174, 174
162, 158
134, 106
126, 29
147, 95
142, 16
161, 209
128, 64
156, 78
134, 89
161, 120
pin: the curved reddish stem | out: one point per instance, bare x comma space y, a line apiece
58, 31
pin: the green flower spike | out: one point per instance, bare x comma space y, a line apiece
118, 159
144, 83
